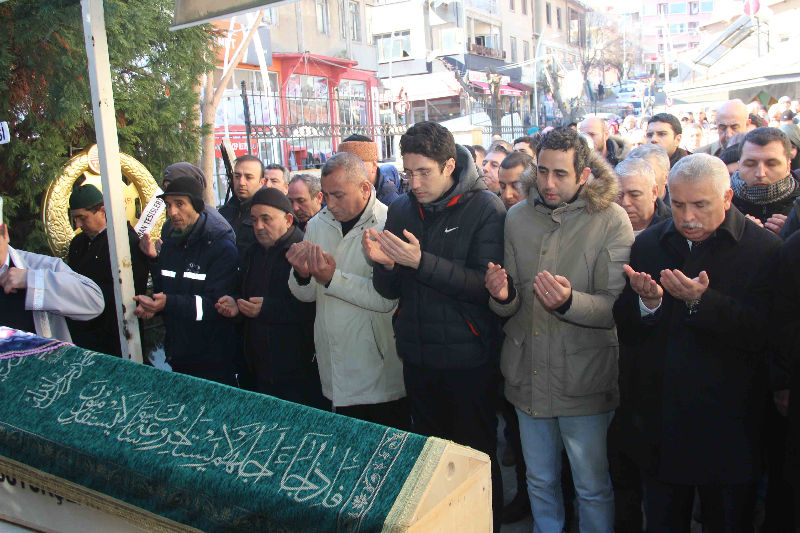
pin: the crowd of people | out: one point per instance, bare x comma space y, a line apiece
636, 302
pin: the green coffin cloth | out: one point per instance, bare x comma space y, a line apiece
204, 455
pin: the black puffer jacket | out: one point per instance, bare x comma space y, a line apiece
194, 274
241, 222
443, 320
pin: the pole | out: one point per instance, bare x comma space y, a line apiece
105, 123
536, 78
247, 124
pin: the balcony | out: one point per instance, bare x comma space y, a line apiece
485, 51
487, 6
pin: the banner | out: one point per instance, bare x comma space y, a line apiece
150, 214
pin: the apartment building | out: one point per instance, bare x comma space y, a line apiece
672, 27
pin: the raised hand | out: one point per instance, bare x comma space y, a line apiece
250, 308
553, 291
298, 257
321, 265
497, 282
148, 247
226, 306
645, 286
373, 249
405, 253
148, 307
681, 287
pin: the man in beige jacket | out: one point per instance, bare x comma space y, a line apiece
358, 364
565, 247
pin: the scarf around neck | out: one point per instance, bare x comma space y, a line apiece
763, 195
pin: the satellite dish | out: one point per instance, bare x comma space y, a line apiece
572, 85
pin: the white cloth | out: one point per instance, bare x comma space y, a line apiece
353, 332
6, 265
646, 311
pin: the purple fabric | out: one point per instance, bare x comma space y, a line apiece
16, 343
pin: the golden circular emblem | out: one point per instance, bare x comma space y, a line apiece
55, 204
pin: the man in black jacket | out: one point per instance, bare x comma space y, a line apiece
433, 254
195, 268
695, 312
664, 129
89, 256
764, 187
248, 177
278, 328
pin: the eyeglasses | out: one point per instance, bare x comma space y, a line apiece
422, 174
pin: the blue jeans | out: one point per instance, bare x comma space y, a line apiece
584, 438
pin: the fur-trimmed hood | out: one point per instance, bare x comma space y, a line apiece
622, 147
600, 190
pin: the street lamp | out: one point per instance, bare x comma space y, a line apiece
536, 74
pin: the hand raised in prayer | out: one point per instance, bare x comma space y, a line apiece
645, 286
405, 253
373, 249
298, 257
681, 287
148, 307
553, 291
497, 282
321, 265
148, 247
775, 223
250, 308
226, 306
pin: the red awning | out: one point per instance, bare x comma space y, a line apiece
504, 89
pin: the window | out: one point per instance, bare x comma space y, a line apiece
322, 16
526, 51
706, 7
694, 8
548, 14
342, 20
694, 45
271, 16
575, 28
661, 49
513, 49
660, 32
402, 45
448, 38
352, 101
511, 5
663, 9
677, 28
558, 17
649, 10
677, 8
524, 7
783, 37
307, 98
355, 21
693, 28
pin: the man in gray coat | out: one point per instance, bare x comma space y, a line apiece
38, 292
565, 247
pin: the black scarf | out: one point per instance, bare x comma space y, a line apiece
763, 195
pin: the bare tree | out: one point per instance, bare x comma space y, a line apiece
496, 112
211, 100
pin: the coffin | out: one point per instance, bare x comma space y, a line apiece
108, 441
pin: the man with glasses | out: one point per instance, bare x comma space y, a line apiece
433, 255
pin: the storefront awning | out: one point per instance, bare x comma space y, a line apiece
423, 86
505, 90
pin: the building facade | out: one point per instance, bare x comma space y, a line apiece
669, 28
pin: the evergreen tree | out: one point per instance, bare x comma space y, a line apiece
46, 99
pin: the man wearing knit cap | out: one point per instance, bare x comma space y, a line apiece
196, 267
277, 328
248, 177
38, 292
172, 172
89, 256
384, 178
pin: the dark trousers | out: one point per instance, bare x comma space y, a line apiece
458, 405
724, 508
627, 482
394, 414
511, 433
306, 391
778, 514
